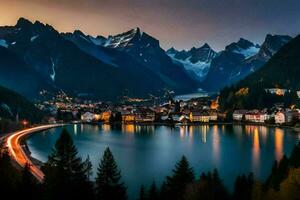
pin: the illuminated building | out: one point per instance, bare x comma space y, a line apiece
105, 116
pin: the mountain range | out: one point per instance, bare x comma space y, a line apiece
83, 65
216, 70
196, 60
281, 71
35, 57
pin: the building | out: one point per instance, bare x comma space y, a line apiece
279, 117
277, 91
128, 117
257, 116
290, 115
145, 115
176, 117
213, 116
87, 117
184, 119
298, 94
285, 116
239, 114
105, 116
164, 117
199, 117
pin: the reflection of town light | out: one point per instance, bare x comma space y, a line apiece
106, 128
128, 128
264, 134
182, 132
191, 132
216, 144
223, 129
75, 129
204, 133
278, 143
255, 149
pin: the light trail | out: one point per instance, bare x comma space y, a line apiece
17, 153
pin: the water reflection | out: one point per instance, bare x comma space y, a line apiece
278, 143
263, 132
256, 150
191, 132
216, 144
75, 129
106, 128
144, 129
182, 131
204, 133
128, 128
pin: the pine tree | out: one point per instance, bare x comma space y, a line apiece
65, 175
219, 189
108, 181
183, 175
142, 193
153, 194
243, 187
163, 191
88, 167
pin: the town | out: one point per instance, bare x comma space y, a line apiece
63, 108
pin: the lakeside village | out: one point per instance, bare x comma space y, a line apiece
63, 108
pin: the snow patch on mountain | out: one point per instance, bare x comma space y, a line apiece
33, 38
52, 75
199, 68
122, 40
249, 52
3, 43
97, 41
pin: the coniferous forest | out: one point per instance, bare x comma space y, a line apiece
68, 176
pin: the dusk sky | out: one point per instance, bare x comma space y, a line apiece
178, 23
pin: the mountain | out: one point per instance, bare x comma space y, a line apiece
16, 75
196, 60
146, 50
281, 71
12, 104
240, 59
90, 45
83, 66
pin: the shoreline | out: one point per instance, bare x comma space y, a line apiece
193, 124
20, 153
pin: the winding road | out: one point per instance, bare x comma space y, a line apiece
17, 153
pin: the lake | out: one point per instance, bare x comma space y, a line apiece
147, 153
185, 97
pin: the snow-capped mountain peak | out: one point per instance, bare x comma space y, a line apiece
243, 47
123, 39
196, 60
